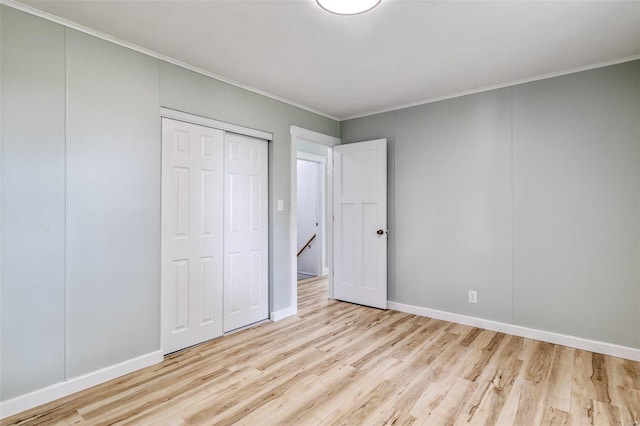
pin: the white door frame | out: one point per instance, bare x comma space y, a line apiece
298, 133
322, 219
208, 122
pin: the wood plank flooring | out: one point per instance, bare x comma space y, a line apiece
344, 364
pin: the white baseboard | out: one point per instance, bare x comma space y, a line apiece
545, 336
50, 393
283, 313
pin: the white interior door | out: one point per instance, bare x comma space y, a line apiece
192, 234
246, 274
360, 223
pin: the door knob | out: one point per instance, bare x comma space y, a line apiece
379, 232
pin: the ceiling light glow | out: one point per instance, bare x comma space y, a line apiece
347, 7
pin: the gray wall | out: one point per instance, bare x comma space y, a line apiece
113, 204
33, 204
529, 195
576, 209
81, 195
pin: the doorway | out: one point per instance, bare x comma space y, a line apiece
357, 225
311, 143
311, 212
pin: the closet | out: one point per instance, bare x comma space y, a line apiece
214, 232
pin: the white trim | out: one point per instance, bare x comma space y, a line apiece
154, 54
215, 124
315, 137
322, 139
496, 86
62, 389
517, 330
283, 313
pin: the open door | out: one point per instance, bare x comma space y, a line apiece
360, 223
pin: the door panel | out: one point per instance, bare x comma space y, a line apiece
246, 236
360, 210
192, 234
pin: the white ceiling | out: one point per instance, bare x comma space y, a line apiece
401, 53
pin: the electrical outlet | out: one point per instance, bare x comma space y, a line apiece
473, 296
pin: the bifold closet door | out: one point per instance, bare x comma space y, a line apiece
246, 236
192, 234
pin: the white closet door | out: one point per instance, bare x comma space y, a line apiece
246, 236
192, 234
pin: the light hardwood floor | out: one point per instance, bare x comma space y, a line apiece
338, 363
